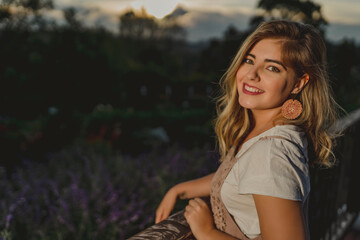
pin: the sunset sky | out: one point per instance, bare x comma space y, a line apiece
210, 18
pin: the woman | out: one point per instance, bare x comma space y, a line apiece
275, 108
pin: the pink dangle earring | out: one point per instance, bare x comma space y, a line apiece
291, 109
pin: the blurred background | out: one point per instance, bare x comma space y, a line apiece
106, 104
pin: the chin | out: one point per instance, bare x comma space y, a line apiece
245, 104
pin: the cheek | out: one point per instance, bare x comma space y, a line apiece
277, 86
281, 88
238, 85
240, 74
286, 87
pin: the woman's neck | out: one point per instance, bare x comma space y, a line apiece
262, 121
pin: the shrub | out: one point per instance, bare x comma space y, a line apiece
88, 192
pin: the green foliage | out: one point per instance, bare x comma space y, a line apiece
130, 130
5, 234
76, 68
297, 10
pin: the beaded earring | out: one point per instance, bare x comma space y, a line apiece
291, 109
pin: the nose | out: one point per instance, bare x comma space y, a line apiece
252, 74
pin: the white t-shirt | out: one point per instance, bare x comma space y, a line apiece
274, 163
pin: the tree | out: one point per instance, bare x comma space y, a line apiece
32, 5
141, 25
27, 14
4, 13
304, 11
344, 71
71, 18
138, 25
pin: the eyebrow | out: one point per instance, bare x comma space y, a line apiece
269, 60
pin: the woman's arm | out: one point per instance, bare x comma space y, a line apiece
279, 218
195, 188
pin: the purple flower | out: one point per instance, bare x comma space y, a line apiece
8, 220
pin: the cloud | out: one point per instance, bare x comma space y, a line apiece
339, 31
345, 11
224, 5
90, 16
199, 23
202, 25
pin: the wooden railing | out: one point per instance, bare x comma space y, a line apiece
334, 198
334, 201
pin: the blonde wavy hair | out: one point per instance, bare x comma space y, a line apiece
304, 50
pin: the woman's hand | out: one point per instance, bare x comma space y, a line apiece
199, 217
166, 205
195, 188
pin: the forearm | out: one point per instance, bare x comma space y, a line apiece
195, 188
199, 187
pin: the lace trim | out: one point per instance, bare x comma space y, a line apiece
217, 205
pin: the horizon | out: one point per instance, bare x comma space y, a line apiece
204, 20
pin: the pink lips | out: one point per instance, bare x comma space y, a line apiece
251, 93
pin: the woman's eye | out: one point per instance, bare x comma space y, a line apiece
248, 61
273, 69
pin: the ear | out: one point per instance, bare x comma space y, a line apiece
300, 83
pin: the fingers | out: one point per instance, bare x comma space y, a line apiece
197, 201
166, 206
160, 215
199, 217
158, 218
195, 205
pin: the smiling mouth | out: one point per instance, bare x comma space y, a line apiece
247, 89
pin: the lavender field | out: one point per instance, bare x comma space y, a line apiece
91, 192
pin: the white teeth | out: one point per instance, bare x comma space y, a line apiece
251, 89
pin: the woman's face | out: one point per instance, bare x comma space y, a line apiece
263, 81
